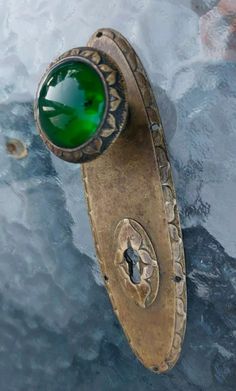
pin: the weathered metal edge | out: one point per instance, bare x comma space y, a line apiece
169, 196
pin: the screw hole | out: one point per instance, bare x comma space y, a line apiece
178, 279
155, 369
99, 34
105, 277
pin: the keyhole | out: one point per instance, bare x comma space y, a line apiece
132, 258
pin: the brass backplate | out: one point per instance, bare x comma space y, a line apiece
132, 203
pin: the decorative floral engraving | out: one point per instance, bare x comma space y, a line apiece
130, 234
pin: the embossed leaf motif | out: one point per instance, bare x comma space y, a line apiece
107, 132
75, 52
105, 68
95, 57
94, 147
111, 121
111, 78
86, 53
115, 99
130, 234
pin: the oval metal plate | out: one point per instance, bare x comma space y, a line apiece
132, 184
130, 234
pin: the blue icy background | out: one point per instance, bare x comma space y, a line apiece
57, 329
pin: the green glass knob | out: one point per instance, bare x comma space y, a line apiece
81, 104
71, 104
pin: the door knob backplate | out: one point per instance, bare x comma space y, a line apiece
132, 204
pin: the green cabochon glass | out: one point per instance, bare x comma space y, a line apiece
71, 104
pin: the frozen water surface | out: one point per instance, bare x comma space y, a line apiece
57, 329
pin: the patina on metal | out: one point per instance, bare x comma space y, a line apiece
132, 205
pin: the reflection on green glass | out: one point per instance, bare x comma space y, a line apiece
71, 104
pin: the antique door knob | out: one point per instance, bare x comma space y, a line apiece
87, 98
81, 104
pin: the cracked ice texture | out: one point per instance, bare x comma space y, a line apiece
57, 329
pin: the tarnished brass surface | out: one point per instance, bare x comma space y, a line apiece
131, 183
